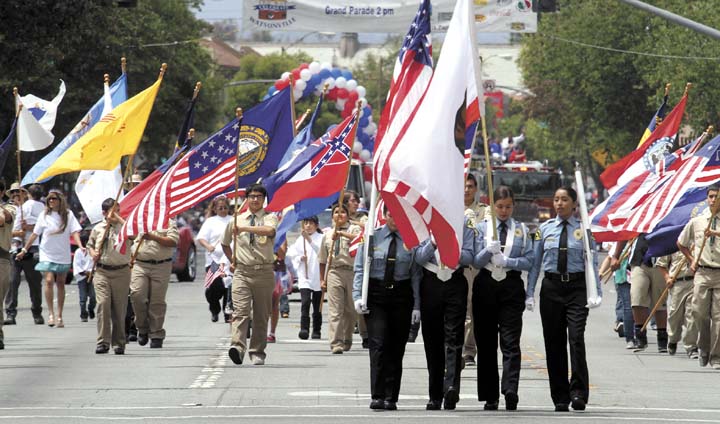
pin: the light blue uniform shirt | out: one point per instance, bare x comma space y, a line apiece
405, 266
547, 244
521, 256
426, 250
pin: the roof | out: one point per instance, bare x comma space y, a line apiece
224, 54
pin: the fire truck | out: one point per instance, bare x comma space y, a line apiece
533, 185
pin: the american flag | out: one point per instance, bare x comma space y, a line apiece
211, 275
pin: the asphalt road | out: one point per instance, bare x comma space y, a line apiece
51, 375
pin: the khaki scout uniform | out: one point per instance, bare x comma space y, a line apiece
112, 284
360, 220
339, 286
474, 213
253, 282
5, 265
680, 300
149, 282
706, 291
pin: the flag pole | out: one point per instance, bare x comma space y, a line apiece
488, 170
123, 65
292, 104
239, 116
17, 116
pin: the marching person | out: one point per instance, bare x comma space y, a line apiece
22, 229
149, 282
680, 312
209, 237
702, 230
111, 280
475, 212
559, 253
393, 304
82, 268
338, 279
303, 254
499, 300
253, 278
7, 217
352, 200
443, 304
55, 225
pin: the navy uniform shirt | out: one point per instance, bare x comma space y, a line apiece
405, 266
521, 256
426, 250
547, 243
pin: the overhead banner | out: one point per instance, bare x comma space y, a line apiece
380, 16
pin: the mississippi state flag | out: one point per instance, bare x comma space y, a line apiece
319, 170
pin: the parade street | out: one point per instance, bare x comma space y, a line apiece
52, 375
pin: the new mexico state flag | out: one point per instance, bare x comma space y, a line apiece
116, 134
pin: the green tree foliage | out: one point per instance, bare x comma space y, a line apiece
80, 40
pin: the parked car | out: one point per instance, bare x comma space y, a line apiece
185, 257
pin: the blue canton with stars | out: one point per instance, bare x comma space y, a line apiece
337, 144
216, 150
418, 36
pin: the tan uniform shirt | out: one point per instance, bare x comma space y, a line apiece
672, 262
476, 212
109, 255
341, 258
260, 250
150, 250
694, 233
359, 219
6, 229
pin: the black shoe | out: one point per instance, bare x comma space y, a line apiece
672, 348
91, 314
578, 403
620, 328
412, 337
491, 406
377, 404
120, 350
235, 355
83, 319
451, 398
2, 345
433, 405
365, 343
38, 319
315, 335
303, 334
561, 407
102, 349
214, 317
511, 401
704, 359
469, 360
390, 405
142, 339
132, 338
156, 343
662, 340
9, 321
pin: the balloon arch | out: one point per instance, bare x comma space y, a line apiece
345, 92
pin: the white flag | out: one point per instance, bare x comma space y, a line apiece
36, 120
93, 187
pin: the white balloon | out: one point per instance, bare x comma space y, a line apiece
370, 129
363, 101
361, 91
326, 65
365, 155
351, 85
314, 67
285, 76
330, 82
340, 82
300, 84
297, 93
305, 74
357, 147
340, 104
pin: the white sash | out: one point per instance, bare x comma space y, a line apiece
443, 273
498, 272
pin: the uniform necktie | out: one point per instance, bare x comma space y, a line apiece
390, 261
252, 224
562, 252
503, 233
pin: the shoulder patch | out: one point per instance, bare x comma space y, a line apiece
538, 234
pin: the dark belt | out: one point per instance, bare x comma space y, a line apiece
111, 267
150, 261
684, 278
390, 285
564, 278
708, 267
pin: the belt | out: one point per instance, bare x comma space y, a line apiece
111, 267
154, 262
509, 274
684, 279
390, 285
709, 267
256, 267
564, 278
342, 267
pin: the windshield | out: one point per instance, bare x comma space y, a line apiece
533, 184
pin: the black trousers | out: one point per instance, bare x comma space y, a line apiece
34, 280
563, 314
497, 314
443, 306
388, 326
310, 297
216, 292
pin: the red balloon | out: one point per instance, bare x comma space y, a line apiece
348, 108
296, 74
342, 93
367, 173
331, 94
345, 113
353, 97
280, 84
303, 66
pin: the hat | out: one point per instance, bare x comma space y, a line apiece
136, 178
16, 187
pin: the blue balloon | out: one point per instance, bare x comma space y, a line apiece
364, 121
325, 74
367, 110
314, 80
265, 97
364, 138
347, 75
271, 90
308, 90
330, 128
336, 73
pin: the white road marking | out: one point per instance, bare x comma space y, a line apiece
212, 373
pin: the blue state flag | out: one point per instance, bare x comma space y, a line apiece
6, 145
662, 240
304, 137
118, 92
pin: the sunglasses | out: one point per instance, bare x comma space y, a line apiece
255, 196
52, 198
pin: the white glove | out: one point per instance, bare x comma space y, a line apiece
360, 308
530, 304
493, 247
415, 317
499, 260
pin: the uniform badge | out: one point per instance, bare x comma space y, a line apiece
518, 232
538, 234
578, 234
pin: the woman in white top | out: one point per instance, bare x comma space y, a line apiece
55, 225
209, 237
304, 257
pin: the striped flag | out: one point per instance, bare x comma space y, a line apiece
211, 275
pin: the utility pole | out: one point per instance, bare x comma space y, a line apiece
688, 23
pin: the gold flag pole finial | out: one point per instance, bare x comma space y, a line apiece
326, 86
238, 113
163, 68
710, 129
15, 91
191, 133
123, 64
688, 86
106, 78
667, 89
198, 86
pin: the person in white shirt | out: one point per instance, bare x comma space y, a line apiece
209, 237
303, 255
55, 225
82, 270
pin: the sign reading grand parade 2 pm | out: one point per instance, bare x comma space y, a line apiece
381, 16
